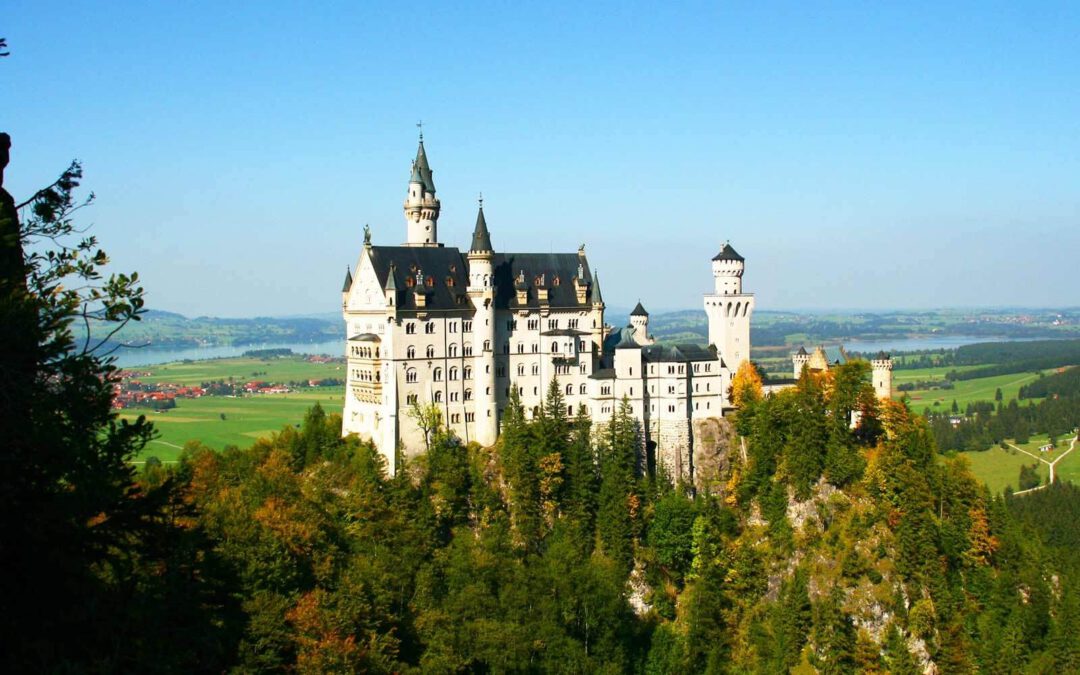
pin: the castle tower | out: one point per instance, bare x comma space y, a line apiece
639, 319
881, 367
421, 205
798, 360
481, 291
729, 309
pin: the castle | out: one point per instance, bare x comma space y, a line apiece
431, 324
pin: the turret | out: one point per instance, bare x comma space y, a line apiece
421, 205
881, 368
481, 291
729, 309
798, 360
639, 319
346, 286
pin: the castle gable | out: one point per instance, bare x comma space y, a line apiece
366, 293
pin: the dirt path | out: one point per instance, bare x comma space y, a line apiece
1072, 445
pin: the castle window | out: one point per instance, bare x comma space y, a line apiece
466, 326
449, 281
467, 375
521, 369
453, 373
671, 389
410, 375
554, 346
555, 281
553, 324
470, 417
569, 410
605, 390
581, 389
671, 408
437, 375
453, 325
430, 352
573, 323
534, 324
455, 418
535, 348
453, 350
536, 391
429, 327
581, 346
708, 367
569, 389
453, 396
536, 369
468, 350
409, 282
410, 399
468, 394
410, 328
410, 353
438, 397
521, 348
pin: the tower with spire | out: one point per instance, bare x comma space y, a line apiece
481, 292
729, 309
421, 204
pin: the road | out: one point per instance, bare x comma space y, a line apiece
1072, 444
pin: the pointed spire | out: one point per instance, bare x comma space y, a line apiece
481, 238
391, 285
348, 280
597, 298
639, 310
421, 167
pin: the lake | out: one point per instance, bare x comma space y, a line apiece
130, 357
914, 344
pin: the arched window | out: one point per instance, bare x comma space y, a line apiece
487, 345
569, 389
468, 350
410, 352
521, 369
453, 373
430, 351
468, 394
582, 389
410, 375
536, 369
453, 350
429, 327
410, 328
438, 397
467, 374
554, 346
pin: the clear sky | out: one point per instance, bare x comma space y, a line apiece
862, 155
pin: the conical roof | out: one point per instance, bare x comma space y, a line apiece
348, 281
391, 285
639, 310
801, 352
596, 297
728, 253
481, 238
421, 166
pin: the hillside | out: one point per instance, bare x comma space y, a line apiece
159, 328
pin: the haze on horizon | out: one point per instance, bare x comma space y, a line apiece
891, 157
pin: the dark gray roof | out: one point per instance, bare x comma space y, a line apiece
616, 337
553, 271
366, 337
679, 352
398, 266
801, 352
565, 331
628, 343
348, 281
603, 374
596, 297
728, 253
421, 164
639, 310
882, 356
481, 238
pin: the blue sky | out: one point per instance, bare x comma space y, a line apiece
915, 155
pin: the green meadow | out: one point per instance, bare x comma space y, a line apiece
218, 421
1001, 468
965, 391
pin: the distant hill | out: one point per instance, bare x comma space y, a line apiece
159, 328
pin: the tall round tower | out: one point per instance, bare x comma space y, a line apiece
799, 360
729, 309
481, 291
639, 319
881, 367
421, 204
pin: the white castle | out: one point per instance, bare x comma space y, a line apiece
430, 324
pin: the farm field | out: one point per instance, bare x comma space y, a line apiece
1001, 468
242, 369
965, 391
246, 419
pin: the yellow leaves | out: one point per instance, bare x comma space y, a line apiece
732, 485
983, 543
551, 469
895, 418
288, 524
746, 386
